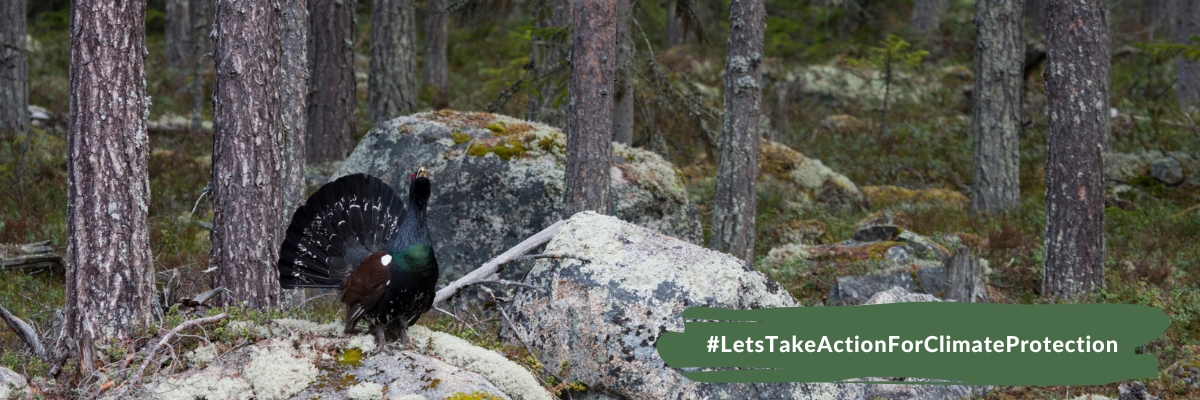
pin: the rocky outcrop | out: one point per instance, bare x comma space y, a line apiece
1142, 168
13, 385
300, 359
498, 180
812, 182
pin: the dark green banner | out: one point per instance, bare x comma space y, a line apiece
976, 344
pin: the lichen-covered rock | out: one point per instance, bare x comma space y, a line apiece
13, 385
814, 183
1167, 170
498, 180
898, 295
303, 360
1129, 168
600, 320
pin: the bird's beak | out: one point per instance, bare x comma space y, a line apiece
421, 173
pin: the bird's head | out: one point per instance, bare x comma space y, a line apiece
419, 187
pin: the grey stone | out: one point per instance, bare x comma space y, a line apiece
1167, 170
876, 233
13, 385
857, 289
498, 180
408, 373
1134, 390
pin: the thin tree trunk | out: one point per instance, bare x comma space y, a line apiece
110, 274
201, 17
392, 86
996, 109
331, 83
1160, 15
1035, 15
966, 279
737, 168
927, 14
436, 67
14, 82
178, 33
248, 153
293, 99
623, 104
589, 136
675, 34
548, 51
1077, 67
1187, 72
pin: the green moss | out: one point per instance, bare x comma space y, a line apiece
432, 384
496, 127
506, 150
460, 137
352, 357
477, 395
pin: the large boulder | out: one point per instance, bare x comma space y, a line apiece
811, 181
498, 180
13, 385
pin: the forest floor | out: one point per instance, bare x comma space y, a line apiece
1152, 256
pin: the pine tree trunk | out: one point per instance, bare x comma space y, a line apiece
436, 67
110, 274
201, 19
331, 83
1077, 67
623, 104
675, 34
178, 33
293, 99
589, 135
996, 109
927, 14
1159, 16
1035, 14
248, 153
737, 168
549, 50
392, 88
14, 82
1187, 73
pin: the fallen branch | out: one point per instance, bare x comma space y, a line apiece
152, 353
26, 332
30, 256
496, 264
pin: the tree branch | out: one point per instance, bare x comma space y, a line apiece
496, 264
151, 354
26, 332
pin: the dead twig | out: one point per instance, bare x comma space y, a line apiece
26, 332
152, 353
497, 264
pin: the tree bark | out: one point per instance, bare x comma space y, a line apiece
737, 168
14, 82
1159, 16
392, 88
996, 109
966, 279
1187, 72
179, 34
110, 274
331, 83
1077, 69
927, 14
589, 135
1035, 15
675, 33
436, 67
293, 99
248, 153
548, 51
623, 103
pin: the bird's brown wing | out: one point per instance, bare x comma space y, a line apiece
363, 288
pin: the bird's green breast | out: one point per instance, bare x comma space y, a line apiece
417, 259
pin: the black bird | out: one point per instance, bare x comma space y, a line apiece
357, 235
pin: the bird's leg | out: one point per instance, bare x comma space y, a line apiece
381, 340
404, 338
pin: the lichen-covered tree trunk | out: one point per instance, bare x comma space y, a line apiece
996, 109
927, 14
1077, 67
436, 67
548, 52
14, 82
179, 34
1187, 72
737, 168
623, 104
110, 274
331, 82
248, 153
589, 133
201, 19
675, 34
293, 99
392, 81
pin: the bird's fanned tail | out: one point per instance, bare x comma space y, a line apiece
341, 224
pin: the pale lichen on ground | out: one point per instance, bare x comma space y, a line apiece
365, 391
515, 381
277, 371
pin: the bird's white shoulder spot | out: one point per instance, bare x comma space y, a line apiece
386, 259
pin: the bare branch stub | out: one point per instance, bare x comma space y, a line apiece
26, 332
